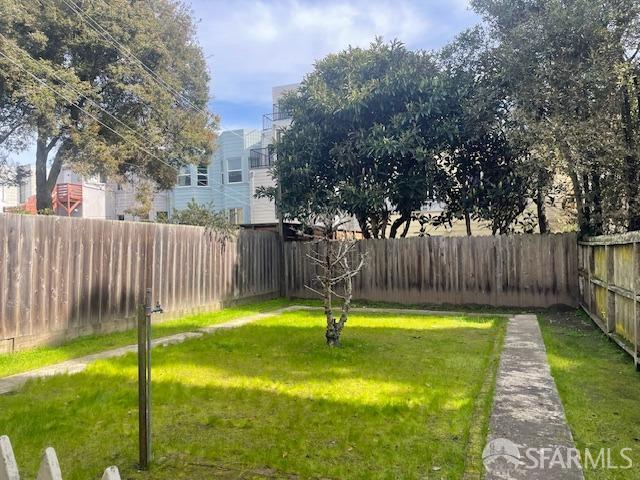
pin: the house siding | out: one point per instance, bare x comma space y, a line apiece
224, 195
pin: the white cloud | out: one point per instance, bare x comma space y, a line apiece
254, 44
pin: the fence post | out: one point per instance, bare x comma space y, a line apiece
636, 304
611, 296
590, 268
50, 467
144, 380
8, 465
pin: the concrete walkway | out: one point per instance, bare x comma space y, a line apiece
529, 437
13, 382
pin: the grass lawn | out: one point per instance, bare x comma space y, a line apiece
403, 398
599, 387
30, 359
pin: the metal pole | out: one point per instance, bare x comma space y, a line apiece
144, 380
284, 287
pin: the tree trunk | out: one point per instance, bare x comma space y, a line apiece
543, 224
397, 223
406, 227
583, 223
364, 227
331, 334
43, 195
45, 183
467, 222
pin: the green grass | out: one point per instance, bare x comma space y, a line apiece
30, 359
270, 400
599, 388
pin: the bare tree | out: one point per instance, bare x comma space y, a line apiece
337, 268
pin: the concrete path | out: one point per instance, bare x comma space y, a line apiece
13, 382
529, 437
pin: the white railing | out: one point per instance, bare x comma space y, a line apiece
49, 466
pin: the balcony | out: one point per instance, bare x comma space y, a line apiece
275, 116
261, 157
66, 197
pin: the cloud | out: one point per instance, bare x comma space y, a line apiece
252, 45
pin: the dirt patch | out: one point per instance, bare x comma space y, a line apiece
569, 319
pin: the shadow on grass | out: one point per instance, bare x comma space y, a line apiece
47, 355
269, 401
599, 388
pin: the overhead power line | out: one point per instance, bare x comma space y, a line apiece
75, 104
146, 69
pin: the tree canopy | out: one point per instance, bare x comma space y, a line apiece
204, 215
117, 88
571, 68
354, 144
540, 91
386, 130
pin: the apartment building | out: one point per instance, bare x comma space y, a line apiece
238, 167
225, 181
263, 210
121, 202
9, 194
8, 197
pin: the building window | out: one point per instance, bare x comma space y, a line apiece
235, 216
120, 217
234, 169
184, 177
203, 175
25, 191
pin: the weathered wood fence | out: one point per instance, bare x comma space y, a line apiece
63, 277
518, 271
609, 269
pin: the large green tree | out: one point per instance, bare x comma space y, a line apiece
572, 69
116, 88
481, 175
355, 143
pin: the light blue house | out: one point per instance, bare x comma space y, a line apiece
225, 181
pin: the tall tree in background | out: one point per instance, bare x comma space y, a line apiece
480, 161
70, 76
572, 68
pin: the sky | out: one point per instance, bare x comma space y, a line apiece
253, 45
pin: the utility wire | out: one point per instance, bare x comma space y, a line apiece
107, 36
104, 33
75, 104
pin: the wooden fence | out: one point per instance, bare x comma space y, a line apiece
63, 277
518, 271
609, 269
49, 465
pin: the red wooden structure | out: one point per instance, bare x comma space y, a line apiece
65, 196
